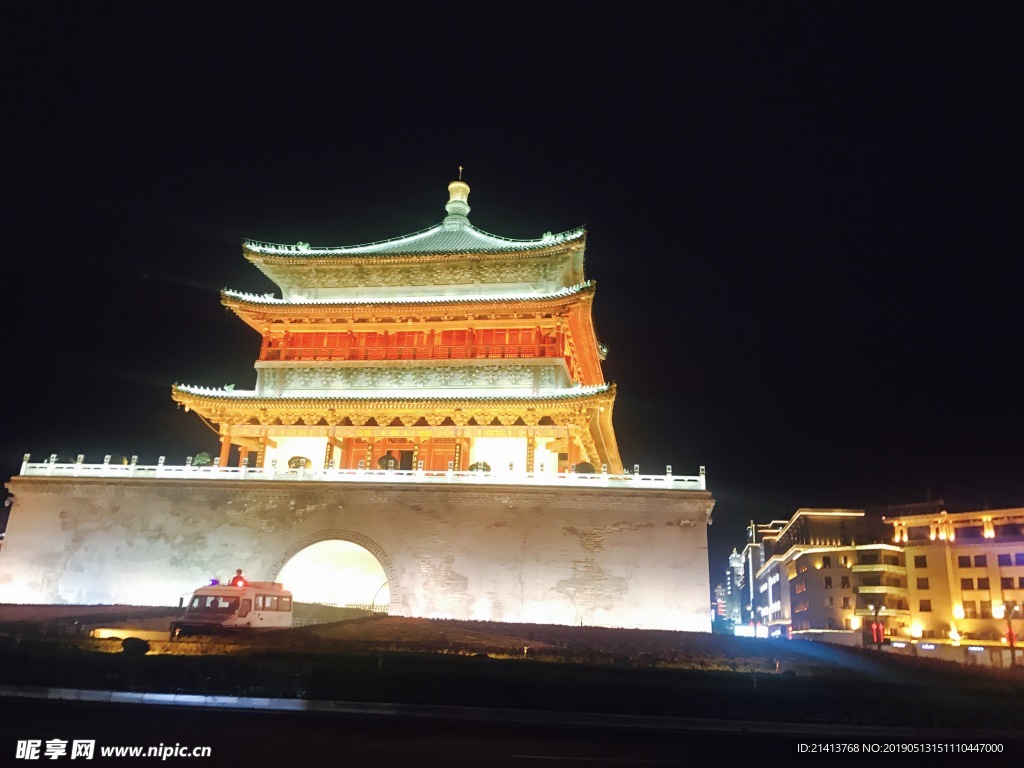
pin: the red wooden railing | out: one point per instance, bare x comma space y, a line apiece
453, 352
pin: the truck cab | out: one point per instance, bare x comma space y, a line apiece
250, 606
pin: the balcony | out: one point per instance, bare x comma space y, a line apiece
451, 352
883, 589
899, 570
887, 611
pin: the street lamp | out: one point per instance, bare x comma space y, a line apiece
1011, 636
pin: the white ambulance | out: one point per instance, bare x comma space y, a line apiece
247, 606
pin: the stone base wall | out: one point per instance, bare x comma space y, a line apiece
600, 557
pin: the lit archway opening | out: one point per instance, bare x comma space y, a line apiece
336, 573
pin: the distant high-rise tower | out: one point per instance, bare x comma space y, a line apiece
734, 586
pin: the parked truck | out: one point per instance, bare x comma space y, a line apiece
244, 607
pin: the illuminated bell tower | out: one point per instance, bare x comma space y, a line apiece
444, 349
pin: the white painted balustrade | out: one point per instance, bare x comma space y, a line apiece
188, 471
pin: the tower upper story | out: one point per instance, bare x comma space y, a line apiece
451, 259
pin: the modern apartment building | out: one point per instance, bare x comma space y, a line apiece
828, 569
965, 574
914, 577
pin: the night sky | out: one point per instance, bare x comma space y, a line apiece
804, 220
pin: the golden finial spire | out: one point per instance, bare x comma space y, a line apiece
458, 203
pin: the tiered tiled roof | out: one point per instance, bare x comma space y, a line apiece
442, 238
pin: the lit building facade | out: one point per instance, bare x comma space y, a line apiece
734, 588
753, 556
445, 349
948, 585
720, 606
830, 570
965, 574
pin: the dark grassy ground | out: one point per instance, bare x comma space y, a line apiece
588, 669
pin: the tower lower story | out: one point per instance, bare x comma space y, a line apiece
617, 557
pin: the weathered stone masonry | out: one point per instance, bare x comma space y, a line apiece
622, 557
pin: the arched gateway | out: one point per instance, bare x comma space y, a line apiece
367, 544
386, 371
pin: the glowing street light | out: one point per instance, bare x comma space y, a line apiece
1011, 636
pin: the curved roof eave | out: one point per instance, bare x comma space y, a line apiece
272, 301
397, 397
439, 239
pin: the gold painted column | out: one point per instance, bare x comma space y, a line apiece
243, 454
225, 450
574, 452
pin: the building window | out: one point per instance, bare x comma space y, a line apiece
799, 587
980, 561
963, 561
920, 561
1020, 582
986, 609
846, 562
982, 583
846, 602
830, 602
922, 583
966, 583
828, 582
1018, 558
826, 562
1005, 560
844, 582
1006, 582
970, 609
926, 606
802, 567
